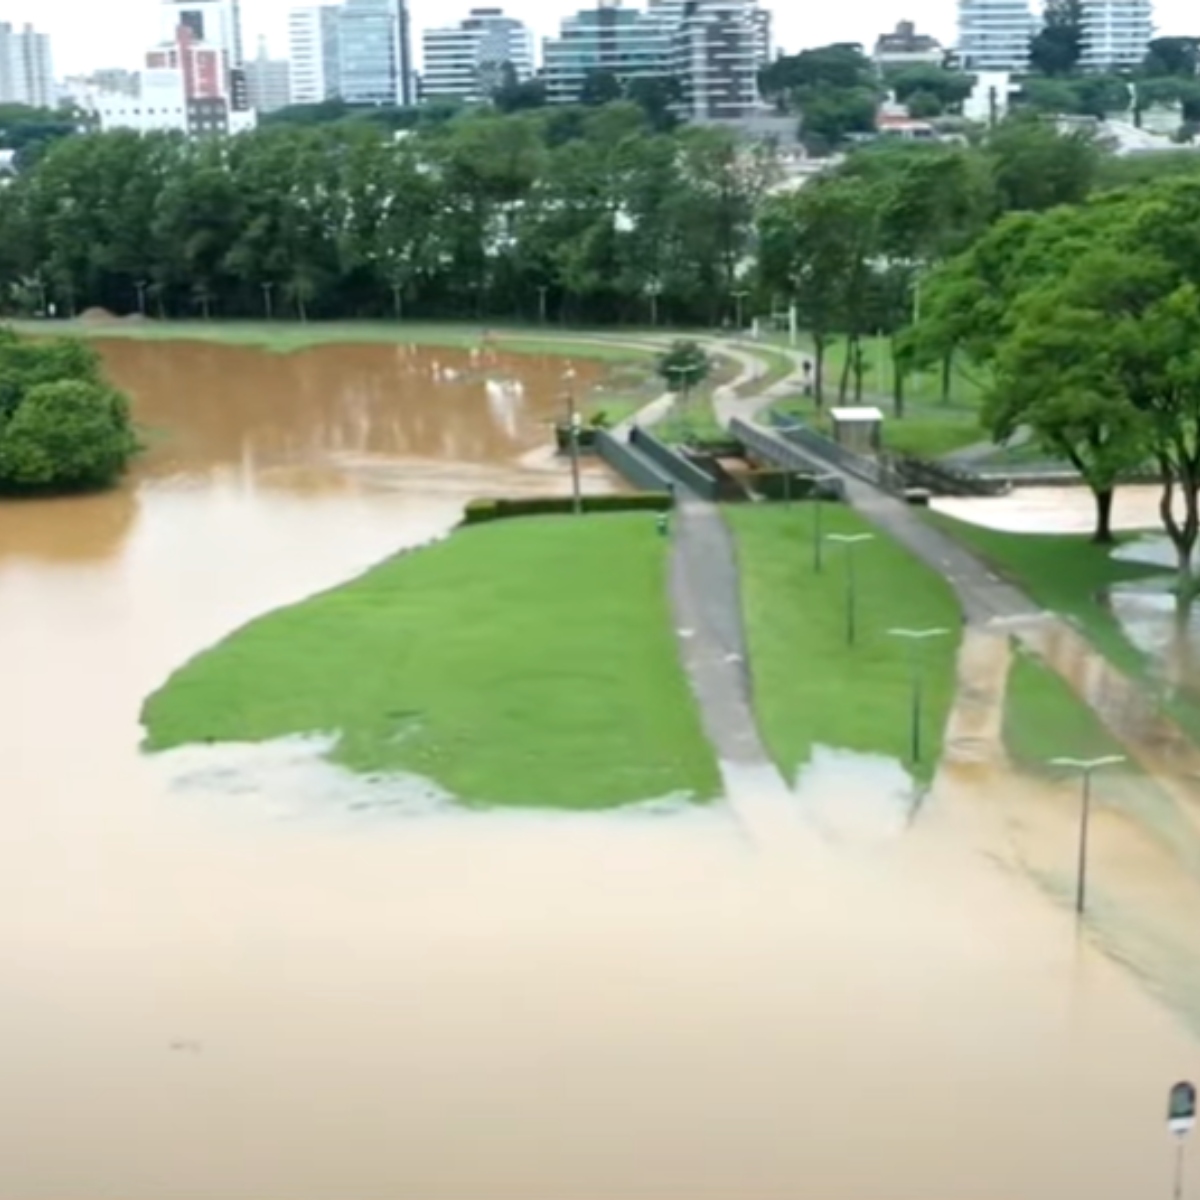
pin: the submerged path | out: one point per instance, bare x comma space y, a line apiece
706, 600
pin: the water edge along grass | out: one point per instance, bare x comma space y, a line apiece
810, 687
524, 663
285, 337
1069, 574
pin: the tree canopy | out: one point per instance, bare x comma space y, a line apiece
62, 427
471, 217
1089, 318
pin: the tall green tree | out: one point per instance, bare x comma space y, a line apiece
1057, 47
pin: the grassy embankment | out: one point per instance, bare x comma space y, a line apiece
930, 428
1069, 575
810, 687
528, 662
284, 337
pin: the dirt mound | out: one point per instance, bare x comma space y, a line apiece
136, 317
96, 315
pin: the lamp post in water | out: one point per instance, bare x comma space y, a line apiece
850, 540
573, 440
1181, 1116
1085, 766
917, 639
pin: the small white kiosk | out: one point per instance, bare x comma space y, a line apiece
858, 429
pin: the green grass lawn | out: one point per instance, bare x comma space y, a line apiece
926, 432
810, 687
283, 337
528, 663
1045, 719
921, 387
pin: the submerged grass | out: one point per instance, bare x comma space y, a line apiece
528, 662
1070, 575
1045, 719
810, 687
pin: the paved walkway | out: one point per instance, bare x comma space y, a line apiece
706, 600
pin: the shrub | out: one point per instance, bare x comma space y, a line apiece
478, 511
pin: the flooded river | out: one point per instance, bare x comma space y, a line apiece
204, 1000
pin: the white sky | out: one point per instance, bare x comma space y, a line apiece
114, 33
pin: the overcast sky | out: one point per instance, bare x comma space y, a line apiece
100, 33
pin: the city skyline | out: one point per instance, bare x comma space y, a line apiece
85, 35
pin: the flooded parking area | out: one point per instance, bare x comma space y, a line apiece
231, 985
1054, 509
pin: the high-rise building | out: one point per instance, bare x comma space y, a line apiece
1116, 33
716, 53
26, 67
201, 66
467, 60
905, 47
609, 39
268, 81
714, 48
994, 35
313, 45
217, 23
374, 54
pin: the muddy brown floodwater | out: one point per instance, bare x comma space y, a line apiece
203, 999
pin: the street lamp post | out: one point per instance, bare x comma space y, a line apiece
267, 289
573, 439
1085, 766
738, 297
1181, 1118
141, 286
542, 290
850, 540
917, 638
817, 507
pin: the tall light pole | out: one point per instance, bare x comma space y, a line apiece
817, 506
542, 290
1085, 766
267, 288
917, 639
1181, 1117
738, 297
573, 438
141, 286
850, 540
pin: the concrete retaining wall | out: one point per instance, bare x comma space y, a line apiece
631, 465
686, 473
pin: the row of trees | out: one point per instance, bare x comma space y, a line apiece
851, 248
484, 215
1088, 320
62, 426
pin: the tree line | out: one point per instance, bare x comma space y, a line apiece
851, 249
581, 215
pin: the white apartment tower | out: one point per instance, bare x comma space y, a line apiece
994, 35
467, 60
1116, 33
717, 49
313, 45
26, 69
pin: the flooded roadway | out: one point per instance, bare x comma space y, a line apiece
204, 1000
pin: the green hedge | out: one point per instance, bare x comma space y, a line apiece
477, 511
